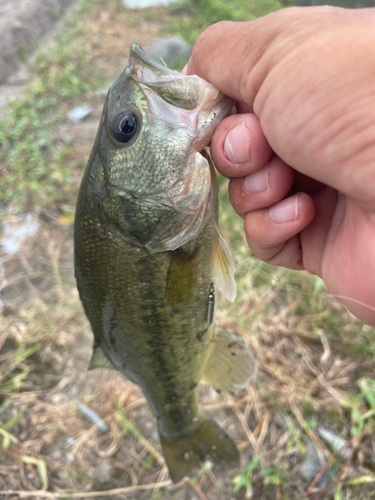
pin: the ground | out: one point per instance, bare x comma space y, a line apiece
315, 361
23, 23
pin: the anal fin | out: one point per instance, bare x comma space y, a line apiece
100, 360
231, 365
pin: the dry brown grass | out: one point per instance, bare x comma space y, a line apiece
302, 342
300, 375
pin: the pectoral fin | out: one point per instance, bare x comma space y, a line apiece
224, 270
100, 360
231, 365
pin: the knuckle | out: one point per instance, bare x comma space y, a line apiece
206, 42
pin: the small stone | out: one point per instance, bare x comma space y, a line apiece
16, 233
56, 398
103, 472
232, 428
336, 442
77, 114
170, 50
23, 436
69, 441
311, 466
278, 419
142, 4
312, 462
57, 454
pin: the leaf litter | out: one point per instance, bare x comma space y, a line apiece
301, 337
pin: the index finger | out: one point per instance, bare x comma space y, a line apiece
213, 58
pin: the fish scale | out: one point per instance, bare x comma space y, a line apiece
145, 181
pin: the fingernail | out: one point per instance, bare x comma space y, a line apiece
236, 144
285, 211
257, 182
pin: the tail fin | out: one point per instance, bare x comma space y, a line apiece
184, 455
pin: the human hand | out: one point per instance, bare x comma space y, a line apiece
300, 153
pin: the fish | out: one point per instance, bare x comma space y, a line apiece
149, 257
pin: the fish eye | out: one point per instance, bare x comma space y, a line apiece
124, 126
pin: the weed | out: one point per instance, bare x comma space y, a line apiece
41, 467
12, 421
191, 17
32, 155
7, 438
14, 372
128, 426
362, 417
245, 479
272, 475
295, 435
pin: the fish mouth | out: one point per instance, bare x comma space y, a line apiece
182, 101
147, 70
137, 52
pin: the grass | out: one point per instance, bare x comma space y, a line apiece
34, 166
315, 360
193, 16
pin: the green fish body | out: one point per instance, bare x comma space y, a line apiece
148, 255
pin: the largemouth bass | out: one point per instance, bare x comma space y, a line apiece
148, 256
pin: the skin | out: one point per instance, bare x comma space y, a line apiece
300, 151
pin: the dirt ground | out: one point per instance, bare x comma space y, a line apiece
23, 23
300, 374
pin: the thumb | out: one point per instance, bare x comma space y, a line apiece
224, 55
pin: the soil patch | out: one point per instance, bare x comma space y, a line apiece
22, 24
